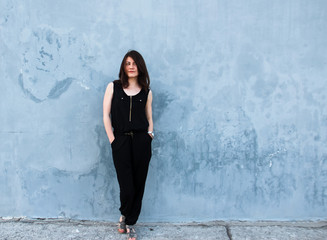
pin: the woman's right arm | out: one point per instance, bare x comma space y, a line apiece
106, 111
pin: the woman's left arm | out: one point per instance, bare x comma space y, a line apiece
148, 112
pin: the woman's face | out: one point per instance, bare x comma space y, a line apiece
131, 68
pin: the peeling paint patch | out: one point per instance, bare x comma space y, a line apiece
45, 54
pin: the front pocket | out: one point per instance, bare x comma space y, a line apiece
149, 136
113, 144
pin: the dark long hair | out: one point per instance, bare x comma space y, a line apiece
143, 78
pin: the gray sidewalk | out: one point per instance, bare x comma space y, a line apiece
71, 229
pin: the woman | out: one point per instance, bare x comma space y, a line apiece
127, 117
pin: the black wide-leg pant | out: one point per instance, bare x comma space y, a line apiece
131, 155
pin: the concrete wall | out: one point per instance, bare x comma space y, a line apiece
239, 107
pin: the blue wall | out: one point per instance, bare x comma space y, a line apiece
240, 112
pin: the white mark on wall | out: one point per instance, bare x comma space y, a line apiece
275, 154
281, 151
81, 84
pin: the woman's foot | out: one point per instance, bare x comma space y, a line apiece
131, 234
122, 224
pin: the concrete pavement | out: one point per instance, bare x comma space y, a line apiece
72, 229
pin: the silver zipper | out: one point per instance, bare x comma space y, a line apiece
130, 109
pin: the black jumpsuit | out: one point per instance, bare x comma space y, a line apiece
131, 149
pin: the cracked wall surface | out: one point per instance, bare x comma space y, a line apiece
239, 107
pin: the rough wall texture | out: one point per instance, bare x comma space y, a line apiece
239, 107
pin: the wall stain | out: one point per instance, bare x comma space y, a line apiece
109, 187
59, 88
27, 91
161, 100
44, 54
43, 68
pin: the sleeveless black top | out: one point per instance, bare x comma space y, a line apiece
128, 112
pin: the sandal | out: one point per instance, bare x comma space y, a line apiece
131, 233
122, 225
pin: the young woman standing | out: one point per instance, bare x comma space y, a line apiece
127, 117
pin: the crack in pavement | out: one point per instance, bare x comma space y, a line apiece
229, 234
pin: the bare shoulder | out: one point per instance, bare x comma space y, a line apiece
149, 97
110, 87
